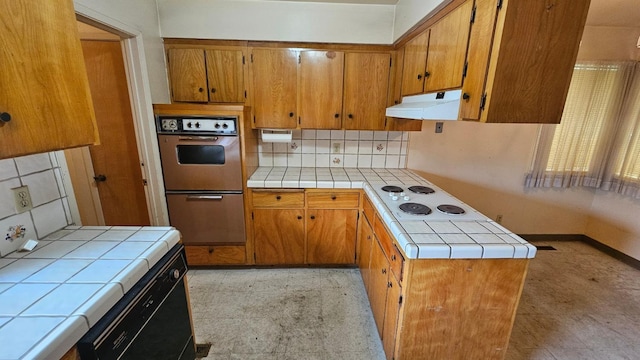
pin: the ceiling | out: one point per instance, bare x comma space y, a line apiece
622, 13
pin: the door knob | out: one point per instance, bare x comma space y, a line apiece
5, 117
100, 178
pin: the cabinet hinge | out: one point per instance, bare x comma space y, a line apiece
390, 62
245, 94
252, 215
144, 182
254, 121
473, 15
251, 57
499, 4
242, 59
400, 300
464, 69
385, 122
483, 101
299, 59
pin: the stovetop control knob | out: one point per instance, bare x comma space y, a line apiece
392, 194
406, 198
402, 194
189, 125
224, 126
175, 274
197, 125
394, 198
217, 126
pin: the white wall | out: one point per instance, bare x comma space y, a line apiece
409, 12
140, 15
608, 43
276, 21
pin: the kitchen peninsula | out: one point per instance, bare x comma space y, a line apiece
439, 285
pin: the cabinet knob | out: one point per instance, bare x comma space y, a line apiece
200, 89
290, 114
426, 74
5, 117
211, 250
278, 197
350, 116
466, 96
100, 178
336, 116
313, 217
213, 90
299, 217
333, 197
419, 76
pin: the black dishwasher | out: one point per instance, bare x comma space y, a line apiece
151, 321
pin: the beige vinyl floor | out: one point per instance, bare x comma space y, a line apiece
577, 303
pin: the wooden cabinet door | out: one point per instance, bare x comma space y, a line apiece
379, 276
274, 75
414, 64
331, 236
392, 309
188, 75
225, 75
320, 89
365, 241
366, 87
279, 236
448, 49
43, 82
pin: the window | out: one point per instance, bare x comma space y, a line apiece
597, 143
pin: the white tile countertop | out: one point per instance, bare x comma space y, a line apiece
51, 296
473, 236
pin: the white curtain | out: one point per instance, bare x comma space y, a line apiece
582, 149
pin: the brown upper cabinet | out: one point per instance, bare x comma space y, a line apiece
520, 60
435, 59
320, 89
211, 75
274, 75
45, 101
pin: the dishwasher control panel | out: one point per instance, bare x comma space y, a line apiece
220, 125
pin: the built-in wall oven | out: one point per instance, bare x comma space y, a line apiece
202, 173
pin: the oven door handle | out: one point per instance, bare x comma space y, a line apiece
197, 138
204, 197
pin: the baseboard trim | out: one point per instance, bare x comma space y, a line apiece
617, 254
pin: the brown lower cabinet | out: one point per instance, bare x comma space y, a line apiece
438, 308
297, 226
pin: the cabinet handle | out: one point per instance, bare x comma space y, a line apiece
211, 250
350, 116
426, 74
213, 90
278, 197
333, 197
384, 271
336, 116
313, 217
290, 114
200, 89
100, 178
419, 76
466, 96
299, 217
5, 117
368, 237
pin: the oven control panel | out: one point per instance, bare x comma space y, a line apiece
220, 125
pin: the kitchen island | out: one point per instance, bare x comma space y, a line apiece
441, 285
50, 297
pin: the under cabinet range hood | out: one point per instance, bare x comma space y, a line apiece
443, 105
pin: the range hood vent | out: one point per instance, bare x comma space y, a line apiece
443, 105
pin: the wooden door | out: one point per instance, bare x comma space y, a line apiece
43, 83
274, 75
364, 251
331, 236
320, 89
225, 76
122, 194
378, 285
188, 75
366, 87
391, 317
279, 236
448, 49
414, 64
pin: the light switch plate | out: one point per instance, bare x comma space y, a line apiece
22, 199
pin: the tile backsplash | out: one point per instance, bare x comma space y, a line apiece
338, 148
41, 173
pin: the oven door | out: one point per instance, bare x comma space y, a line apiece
207, 218
201, 162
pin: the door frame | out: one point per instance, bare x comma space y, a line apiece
141, 107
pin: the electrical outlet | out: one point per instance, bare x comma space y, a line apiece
499, 219
22, 199
439, 126
336, 148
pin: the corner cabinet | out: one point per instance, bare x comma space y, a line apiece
45, 102
520, 60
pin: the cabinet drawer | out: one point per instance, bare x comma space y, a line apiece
383, 236
369, 211
333, 200
278, 199
215, 255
